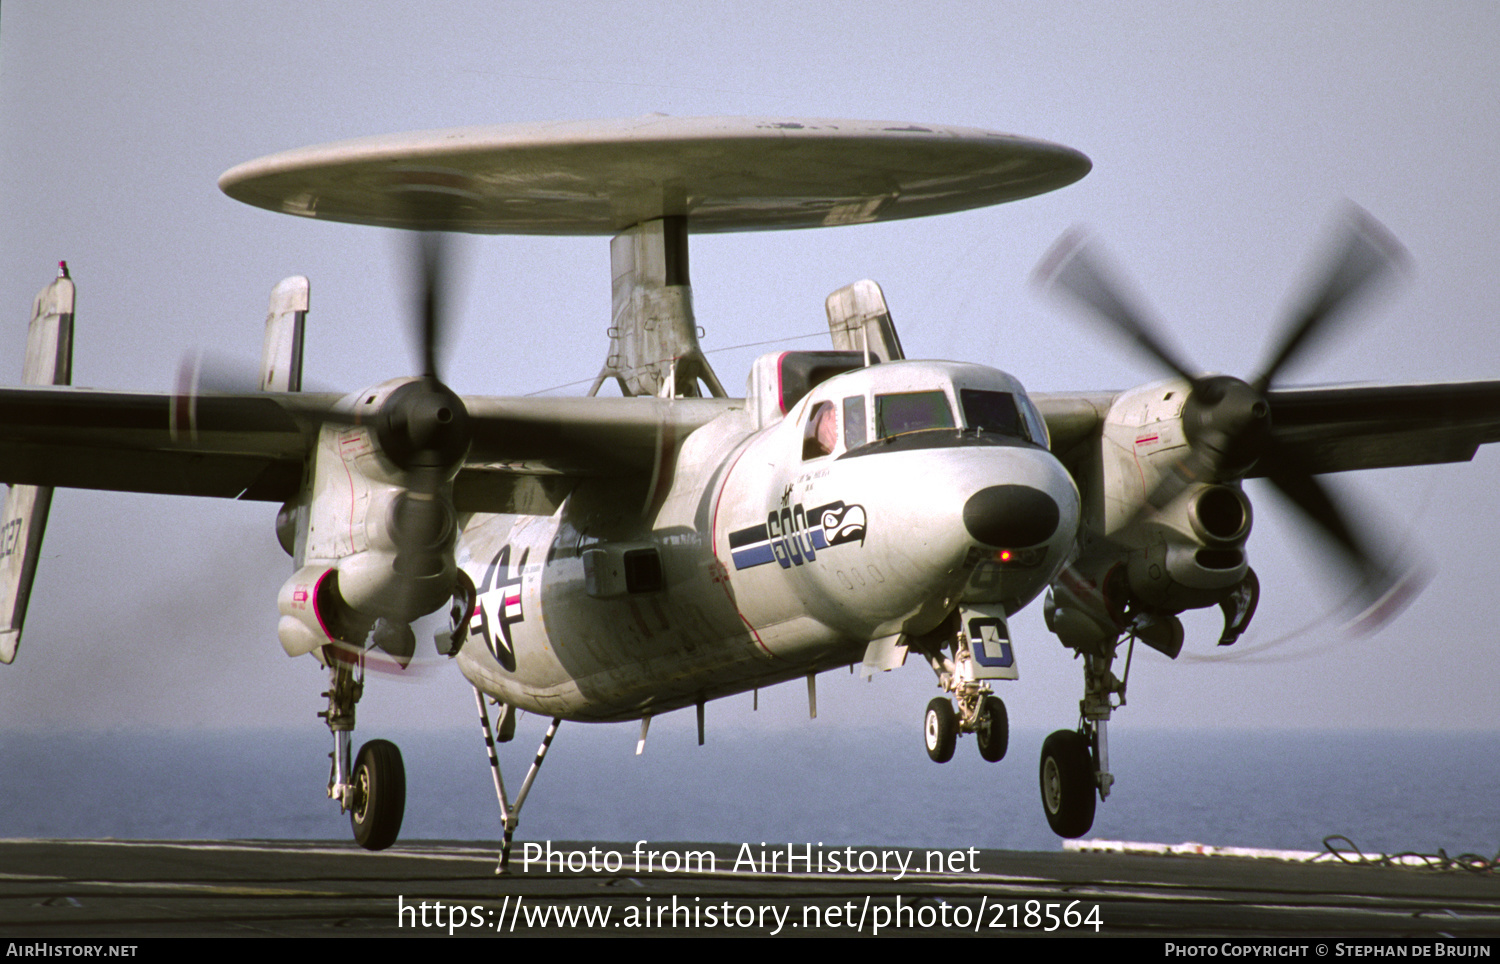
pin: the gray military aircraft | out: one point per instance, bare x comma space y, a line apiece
609, 559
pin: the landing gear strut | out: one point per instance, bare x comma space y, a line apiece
373, 789
510, 813
1075, 763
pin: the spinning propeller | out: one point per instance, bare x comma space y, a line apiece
422, 427
1228, 420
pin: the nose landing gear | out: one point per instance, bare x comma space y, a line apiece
963, 674
993, 729
940, 730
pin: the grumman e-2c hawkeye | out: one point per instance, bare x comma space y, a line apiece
610, 559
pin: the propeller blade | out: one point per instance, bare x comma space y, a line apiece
1384, 588
205, 374
1313, 498
200, 375
430, 260
1364, 255
1073, 268
395, 639
1228, 422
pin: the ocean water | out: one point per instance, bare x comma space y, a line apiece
1387, 792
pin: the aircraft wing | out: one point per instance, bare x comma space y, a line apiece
255, 445
1344, 427
1335, 428
232, 447
1072, 418
527, 452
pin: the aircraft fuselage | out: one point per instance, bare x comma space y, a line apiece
773, 553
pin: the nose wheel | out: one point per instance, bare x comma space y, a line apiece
940, 730
979, 713
993, 729
972, 707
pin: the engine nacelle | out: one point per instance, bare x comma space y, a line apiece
382, 583
386, 526
1140, 568
1180, 562
313, 613
1190, 552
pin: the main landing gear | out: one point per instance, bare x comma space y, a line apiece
1075, 763
373, 789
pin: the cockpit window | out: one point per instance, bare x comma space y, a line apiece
911, 412
993, 412
821, 433
1034, 421
854, 421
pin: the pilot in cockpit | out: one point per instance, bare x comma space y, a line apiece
822, 432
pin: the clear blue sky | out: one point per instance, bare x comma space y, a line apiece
1224, 137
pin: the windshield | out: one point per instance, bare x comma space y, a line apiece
911, 412
993, 412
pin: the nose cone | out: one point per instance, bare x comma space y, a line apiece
1011, 516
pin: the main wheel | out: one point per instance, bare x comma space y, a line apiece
940, 730
1068, 783
993, 730
379, 795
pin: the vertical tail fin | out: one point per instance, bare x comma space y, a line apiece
859, 320
49, 361
281, 359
